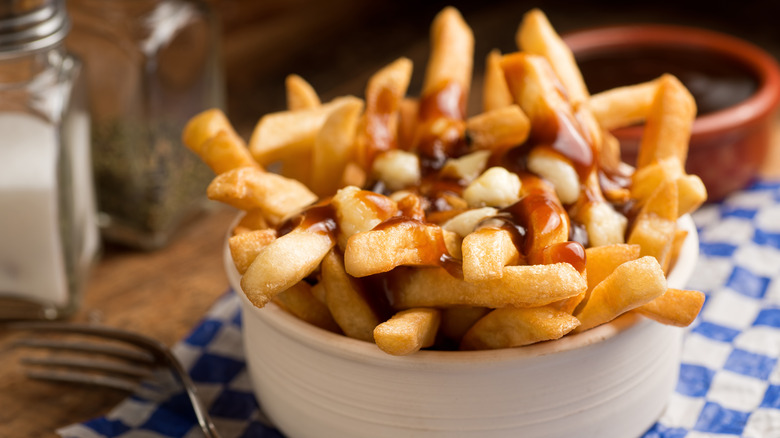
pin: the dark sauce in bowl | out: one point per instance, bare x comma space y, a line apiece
715, 82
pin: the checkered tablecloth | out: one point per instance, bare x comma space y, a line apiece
729, 382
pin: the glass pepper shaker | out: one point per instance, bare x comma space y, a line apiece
151, 65
48, 232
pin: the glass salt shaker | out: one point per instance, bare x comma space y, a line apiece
48, 231
151, 65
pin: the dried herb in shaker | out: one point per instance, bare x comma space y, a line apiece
151, 65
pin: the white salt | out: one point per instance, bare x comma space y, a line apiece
31, 256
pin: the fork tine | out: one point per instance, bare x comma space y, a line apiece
122, 384
90, 364
159, 350
109, 350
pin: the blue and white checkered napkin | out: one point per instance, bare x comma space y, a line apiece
729, 377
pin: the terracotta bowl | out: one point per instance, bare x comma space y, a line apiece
735, 83
610, 381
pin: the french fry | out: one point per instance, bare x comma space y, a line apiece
224, 152
655, 225
408, 331
499, 129
601, 261
333, 147
669, 122
299, 301
675, 307
284, 262
300, 94
250, 221
384, 93
486, 252
250, 188
691, 194
408, 113
623, 106
511, 327
519, 286
394, 243
629, 286
451, 56
245, 247
456, 321
282, 134
204, 126
495, 93
346, 300
537, 36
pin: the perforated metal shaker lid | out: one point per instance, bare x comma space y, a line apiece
27, 25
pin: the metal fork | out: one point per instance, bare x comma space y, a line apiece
150, 354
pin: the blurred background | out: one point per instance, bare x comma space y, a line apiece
336, 45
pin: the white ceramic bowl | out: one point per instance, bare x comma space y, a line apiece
611, 381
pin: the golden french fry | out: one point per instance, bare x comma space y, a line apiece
510, 327
675, 307
451, 56
408, 331
623, 106
655, 225
318, 291
519, 286
249, 188
384, 93
629, 286
284, 262
456, 321
250, 221
677, 244
204, 126
536, 89
297, 165
646, 180
691, 194
601, 261
499, 129
300, 94
224, 152
486, 252
300, 301
282, 134
669, 122
333, 147
346, 300
245, 247
537, 36
407, 122
394, 243
495, 93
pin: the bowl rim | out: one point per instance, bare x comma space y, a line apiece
751, 110
366, 352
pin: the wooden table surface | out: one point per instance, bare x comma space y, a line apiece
162, 294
